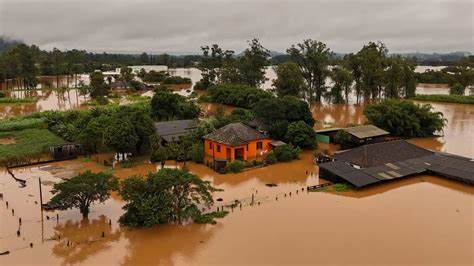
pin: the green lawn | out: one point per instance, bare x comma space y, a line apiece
28, 144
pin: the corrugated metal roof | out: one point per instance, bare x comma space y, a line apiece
366, 131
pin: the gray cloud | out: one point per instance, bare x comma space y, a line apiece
183, 26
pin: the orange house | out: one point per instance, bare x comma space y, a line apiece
235, 141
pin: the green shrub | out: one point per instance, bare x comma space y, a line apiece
271, 158
2, 94
287, 153
209, 218
457, 89
22, 123
301, 135
176, 80
237, 95
200, 86
235, 166
341, 187
197, 152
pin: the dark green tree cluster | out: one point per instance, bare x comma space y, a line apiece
166, 105
221, 66
405, 118
168, 196
239, 95
279, 115
123, 129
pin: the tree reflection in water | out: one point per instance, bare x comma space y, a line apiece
84, 238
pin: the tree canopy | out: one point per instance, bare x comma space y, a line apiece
404, 118
83, 190
168, 196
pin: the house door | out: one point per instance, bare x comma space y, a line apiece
228, 153
239, 154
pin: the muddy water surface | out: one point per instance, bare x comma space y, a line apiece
424, 220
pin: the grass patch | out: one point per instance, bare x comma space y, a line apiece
29, 144
14, 124
17, 100
338, 187
463, 99
137, 98
209, 218
341, 187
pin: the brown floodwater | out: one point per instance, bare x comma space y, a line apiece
47, 100
423, 220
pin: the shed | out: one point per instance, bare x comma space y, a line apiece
66, 151
171, 131
326, 135
366, 132
277, 143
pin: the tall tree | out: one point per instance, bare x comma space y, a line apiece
372, 60
212, 61
289, 80
126, 75
170, 195
342, 83
83, 190
98, 87
313, 58
252, 64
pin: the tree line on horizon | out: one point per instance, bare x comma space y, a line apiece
370, 73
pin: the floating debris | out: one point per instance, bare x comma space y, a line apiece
271, 185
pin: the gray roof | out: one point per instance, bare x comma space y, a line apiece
382, 153
366, 131
172, 130
277, 143
396, 159
235, 134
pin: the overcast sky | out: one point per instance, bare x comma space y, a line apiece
182, 26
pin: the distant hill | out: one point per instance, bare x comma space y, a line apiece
437, 58
7, 42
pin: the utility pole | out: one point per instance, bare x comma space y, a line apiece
40, 195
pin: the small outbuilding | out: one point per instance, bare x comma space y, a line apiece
365, 133
171, 131
66, 151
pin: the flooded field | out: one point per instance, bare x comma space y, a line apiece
49, 99
424, 220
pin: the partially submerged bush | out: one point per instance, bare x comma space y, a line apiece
301, 135
235, 166
209, 218
286, 153
271, 158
